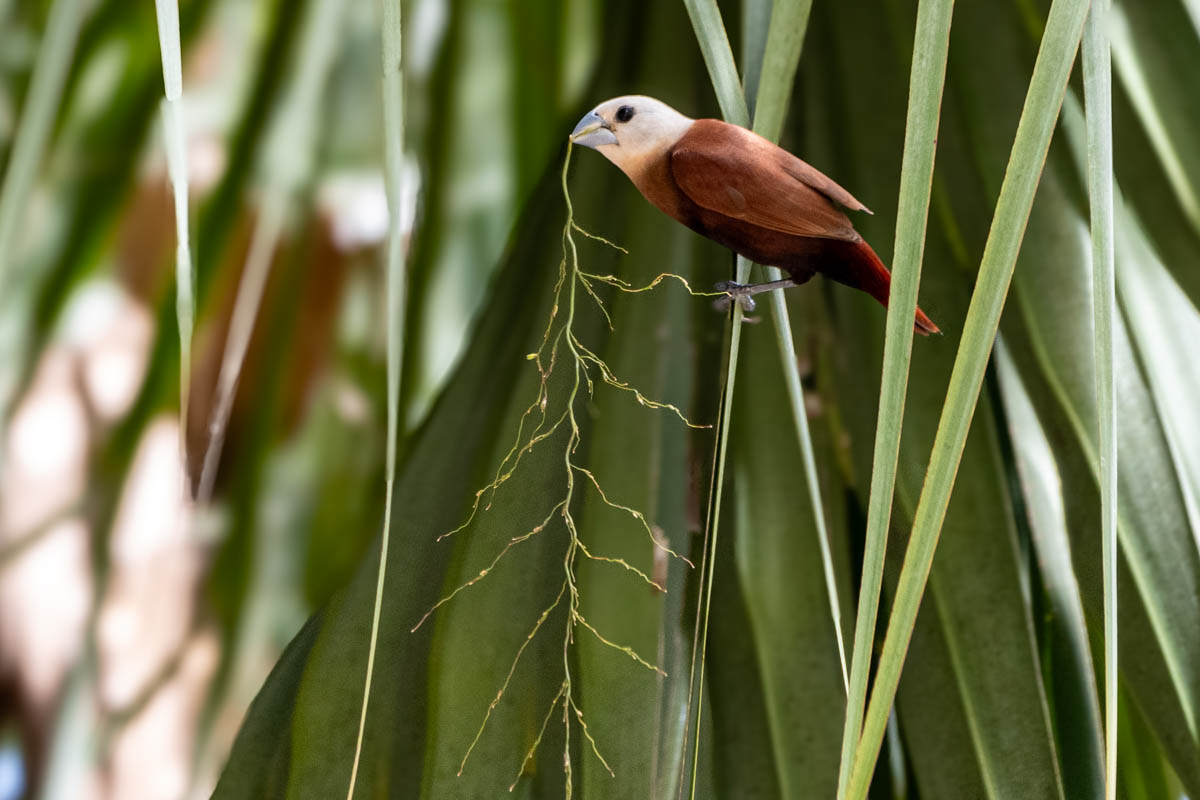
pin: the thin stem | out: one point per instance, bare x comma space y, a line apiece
241, 326
735, 340
393, 124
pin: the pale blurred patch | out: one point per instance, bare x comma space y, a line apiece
151, 759
45, 594
46, 583
112, 333
154, 662
148, 606
46, 447
356, 204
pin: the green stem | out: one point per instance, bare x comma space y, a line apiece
735, 340
393, 129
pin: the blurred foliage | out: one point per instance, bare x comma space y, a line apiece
999, 695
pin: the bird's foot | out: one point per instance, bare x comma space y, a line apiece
741, 292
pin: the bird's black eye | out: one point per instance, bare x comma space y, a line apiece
624, 113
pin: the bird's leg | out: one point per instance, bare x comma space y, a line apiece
744, 292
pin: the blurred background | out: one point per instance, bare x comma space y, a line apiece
137, 626
144, 599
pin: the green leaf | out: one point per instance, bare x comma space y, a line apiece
756, 22
1067, 657
447, 460
1159, 570
927, 77
258, 764
1060, 41
619, 697
718, 58
1097, 87
785, 38
1153, 45
964, 695
781, 580
741, 747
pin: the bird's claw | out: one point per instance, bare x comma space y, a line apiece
734, 291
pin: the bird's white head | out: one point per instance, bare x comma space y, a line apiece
632, 130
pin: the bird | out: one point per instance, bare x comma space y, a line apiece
742, 191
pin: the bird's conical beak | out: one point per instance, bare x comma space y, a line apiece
593, 131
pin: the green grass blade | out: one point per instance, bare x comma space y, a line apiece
930, 48
1097, 89
1156, 125
756, 22
37, 118
393, 130
718, 57
785, 39
1064, 27
175, 140
168, 45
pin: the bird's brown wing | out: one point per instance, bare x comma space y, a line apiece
734, 172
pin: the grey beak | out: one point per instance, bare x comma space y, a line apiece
593, 131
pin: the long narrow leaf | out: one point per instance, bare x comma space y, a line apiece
1064, 27
1097, 88
930, 48
718, 57
756, 23
1077, 719
785, 39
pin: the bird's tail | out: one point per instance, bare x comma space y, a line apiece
868, 273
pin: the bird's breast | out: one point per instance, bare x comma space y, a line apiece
657, 185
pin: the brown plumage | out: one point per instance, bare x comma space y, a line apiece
741, 191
